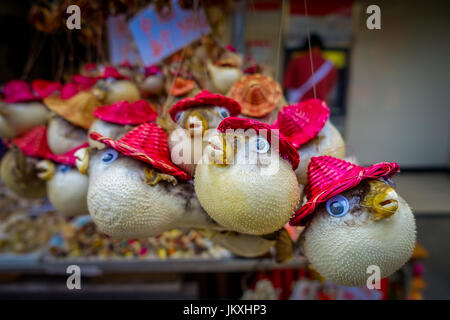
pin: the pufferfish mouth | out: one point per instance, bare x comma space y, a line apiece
218, 151
382, 199
46, 169
196, 125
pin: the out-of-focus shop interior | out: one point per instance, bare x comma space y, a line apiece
388, 95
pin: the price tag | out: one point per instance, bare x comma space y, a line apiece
121, 43
157, 37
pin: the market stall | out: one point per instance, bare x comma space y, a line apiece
158, 151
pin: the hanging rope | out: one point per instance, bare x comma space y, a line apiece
310, 50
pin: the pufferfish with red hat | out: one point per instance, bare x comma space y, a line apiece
354, 219
135, 191
22, 108
196, 119
31, 170
246, 180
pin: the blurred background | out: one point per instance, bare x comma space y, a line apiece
388, 93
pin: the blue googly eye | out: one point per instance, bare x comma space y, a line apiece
109, 156
63, 168
389, 182
178, 116
223, 112
338, 206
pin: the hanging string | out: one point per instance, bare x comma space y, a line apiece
310, 50
38, 44
280, 35
183, 52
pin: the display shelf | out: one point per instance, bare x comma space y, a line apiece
93, 267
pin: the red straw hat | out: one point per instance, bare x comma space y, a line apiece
33, 143
124, 112
286, 149
44, 88
68, 157
111, 72
206, 98
20, 91
79, 83
303, 121
329, 176
152, 70
148, 143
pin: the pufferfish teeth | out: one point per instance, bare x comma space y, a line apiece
82, 160
216, 143
195, 126
46, 169
385, 204
215, 156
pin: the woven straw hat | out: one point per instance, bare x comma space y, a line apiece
205, 98
78, 109
286, 150
148, 143
124, 112
182, 86
20, 91
257, 94
303, 121
329, 176
34, 144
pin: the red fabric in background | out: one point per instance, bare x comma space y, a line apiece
299, 71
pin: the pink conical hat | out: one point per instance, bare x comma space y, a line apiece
329, 176
285, 148
303, 121
206, 98
148, 143
33, 143
124, 112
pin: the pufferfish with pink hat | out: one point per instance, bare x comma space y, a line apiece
354, 220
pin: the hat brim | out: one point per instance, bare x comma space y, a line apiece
78, 110
206, 99
286, 150
140, 155
353, 178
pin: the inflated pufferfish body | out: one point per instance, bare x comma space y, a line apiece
127, 198
113, 87
196, 118
307, 125
133, 187
354, 219
66, 186
22, 108
18, 167
63, 136
243, 183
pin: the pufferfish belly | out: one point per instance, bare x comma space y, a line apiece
342, 252
241, 199
123, 206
